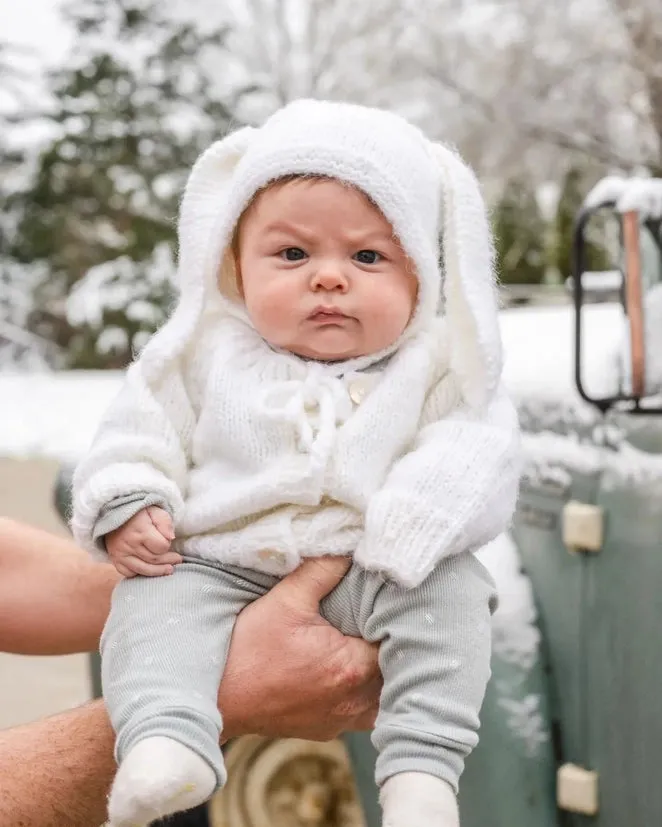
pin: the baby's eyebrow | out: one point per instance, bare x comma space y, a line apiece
357, 237
285, 227
371, 236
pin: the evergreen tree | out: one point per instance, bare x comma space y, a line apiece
573, 191
133, 107
519, 231
18, 347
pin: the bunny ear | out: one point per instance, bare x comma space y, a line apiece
206, 200
469, 301
205, 224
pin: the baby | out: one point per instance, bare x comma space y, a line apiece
329, 383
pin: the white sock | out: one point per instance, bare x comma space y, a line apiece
416, 799
158, 777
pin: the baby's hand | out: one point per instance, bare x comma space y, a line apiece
142, 544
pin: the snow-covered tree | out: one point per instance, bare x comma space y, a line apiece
18, 346
115, 307
132, 109
333, 49
573, 189
520, 235
641, 24
537, 87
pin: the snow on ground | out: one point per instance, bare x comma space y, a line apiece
52, 414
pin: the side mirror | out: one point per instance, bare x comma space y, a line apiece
628, 338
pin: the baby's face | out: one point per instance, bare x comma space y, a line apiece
321, 272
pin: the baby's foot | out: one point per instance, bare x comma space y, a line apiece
158, 777
416, 799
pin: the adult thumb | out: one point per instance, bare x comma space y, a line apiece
307, 585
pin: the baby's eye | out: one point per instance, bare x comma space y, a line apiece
293, 254
367, 256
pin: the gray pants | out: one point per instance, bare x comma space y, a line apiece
166, 641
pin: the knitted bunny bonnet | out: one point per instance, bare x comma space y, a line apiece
430, 197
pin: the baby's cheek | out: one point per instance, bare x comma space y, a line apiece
388, 318
271, 311
396, 306
404, 301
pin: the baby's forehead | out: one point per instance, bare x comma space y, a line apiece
298, 193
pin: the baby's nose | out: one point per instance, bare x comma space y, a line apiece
329, 276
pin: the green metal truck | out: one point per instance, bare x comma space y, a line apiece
571, 730
588, 532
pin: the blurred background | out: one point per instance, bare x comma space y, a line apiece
104, 105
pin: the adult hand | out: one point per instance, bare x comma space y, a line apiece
290, 673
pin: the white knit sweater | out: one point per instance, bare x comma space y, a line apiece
263, 458
399, 458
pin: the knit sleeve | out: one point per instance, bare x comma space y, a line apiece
120, 510
141, 447
454, 491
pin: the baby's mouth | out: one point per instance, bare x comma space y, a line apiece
328, 315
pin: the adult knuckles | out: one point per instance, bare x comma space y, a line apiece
348, 709
356, 673
348, 671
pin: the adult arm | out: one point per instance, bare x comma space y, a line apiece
56, 772
54, 599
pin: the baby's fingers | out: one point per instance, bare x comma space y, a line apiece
137, 566
162, 521
154, 542
125, 571
170, 557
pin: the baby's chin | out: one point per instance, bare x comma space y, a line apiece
326, 355
331, 345
331, 351
328, 345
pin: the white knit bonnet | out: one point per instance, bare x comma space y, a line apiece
430, 197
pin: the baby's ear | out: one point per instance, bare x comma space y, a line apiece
469, 298
229, 275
